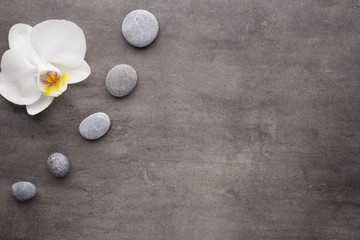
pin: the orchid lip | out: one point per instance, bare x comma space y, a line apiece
50, 80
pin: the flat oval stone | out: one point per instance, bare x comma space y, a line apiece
58, 164
121, 80
94, 126
23, 191
140, 28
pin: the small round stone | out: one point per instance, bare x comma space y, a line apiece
94, 126
58, 164
121, 80
23, 191
140, 28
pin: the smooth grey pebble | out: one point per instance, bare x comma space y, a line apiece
140, 28
58, 164
94, 126
121, 80
23, 191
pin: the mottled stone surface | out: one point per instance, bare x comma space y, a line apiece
244, 125
94, 126
58, 164
23, 191
140, 28
121, 80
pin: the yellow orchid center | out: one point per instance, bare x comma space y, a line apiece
52, 82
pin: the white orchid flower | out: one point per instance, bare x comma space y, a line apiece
41, 62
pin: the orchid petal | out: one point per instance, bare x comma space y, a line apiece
41, 104
76, 75
67, 60
19, 35
19, 39
17, 79
54, 37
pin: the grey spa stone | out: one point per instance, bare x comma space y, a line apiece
121, 80
58, 164
94, 126
140, 28
23, 191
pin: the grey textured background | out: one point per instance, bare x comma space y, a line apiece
245, 124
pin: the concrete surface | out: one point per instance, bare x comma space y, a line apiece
245, 124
